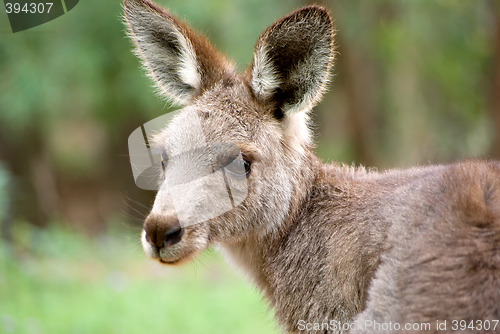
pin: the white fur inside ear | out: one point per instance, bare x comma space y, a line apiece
265, 78
188, 67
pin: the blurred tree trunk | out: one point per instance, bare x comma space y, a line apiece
359, 83
22, 159
495, 93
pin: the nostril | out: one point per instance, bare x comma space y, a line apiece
174, 235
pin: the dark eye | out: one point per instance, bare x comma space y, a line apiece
239, 167
164, 160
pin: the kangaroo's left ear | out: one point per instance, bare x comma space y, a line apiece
292, 60
181, 62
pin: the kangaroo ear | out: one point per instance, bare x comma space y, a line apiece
292, 60
181, 63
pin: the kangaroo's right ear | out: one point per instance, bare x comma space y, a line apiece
292, 60
181, 63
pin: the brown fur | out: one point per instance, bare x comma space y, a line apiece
323, 242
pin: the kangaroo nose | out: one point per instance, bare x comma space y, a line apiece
163, 231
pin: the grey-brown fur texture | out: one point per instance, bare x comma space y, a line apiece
323, 242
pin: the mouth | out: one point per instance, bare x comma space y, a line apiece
164, 256
169, 255
180, 252
186, 256
170, 262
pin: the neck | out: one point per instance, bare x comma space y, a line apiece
317, 266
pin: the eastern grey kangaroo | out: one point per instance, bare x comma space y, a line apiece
333, 248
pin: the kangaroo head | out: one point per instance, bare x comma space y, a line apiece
248, 131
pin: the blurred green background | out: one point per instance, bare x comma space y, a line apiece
416, 82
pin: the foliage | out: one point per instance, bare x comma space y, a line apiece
55, 281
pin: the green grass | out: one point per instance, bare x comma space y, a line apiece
54, 281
